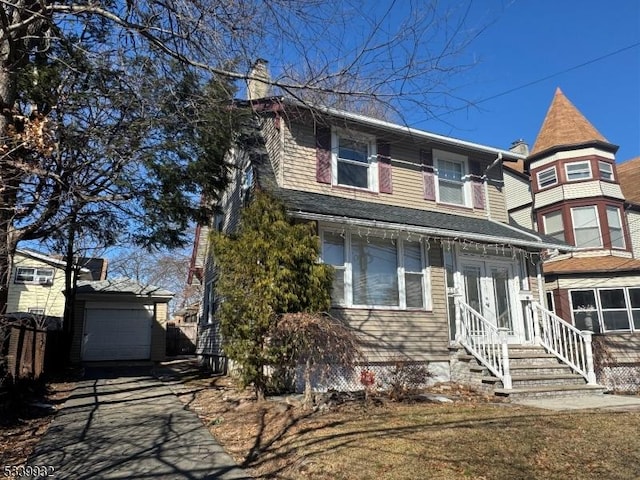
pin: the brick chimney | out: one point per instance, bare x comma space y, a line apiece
258, 85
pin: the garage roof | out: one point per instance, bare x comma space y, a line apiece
122, 286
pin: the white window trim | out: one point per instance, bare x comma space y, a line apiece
37, 279
36, 310
598, 307
610, 167
372, 170
466, 189
624, 242
573, 226
542, 172
348, 273
566, 171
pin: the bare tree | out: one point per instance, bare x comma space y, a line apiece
78, 103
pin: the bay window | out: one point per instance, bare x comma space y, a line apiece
547, 178
606, 170
616, 233
374, 271
586, 228
553, 225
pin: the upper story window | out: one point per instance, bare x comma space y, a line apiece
34, 275
354, 162
451, 182
586, 227
554, 225
606, 170
376, 272
615, 227
547, 178
578, 171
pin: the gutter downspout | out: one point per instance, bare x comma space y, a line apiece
485, 179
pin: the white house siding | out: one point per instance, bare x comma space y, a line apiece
572, 154
614, 279
633, 219
591, 189
518, 190
611, 190
522, 217
548, 197
299, 173
24, 296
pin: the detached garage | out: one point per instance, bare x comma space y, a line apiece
118, 320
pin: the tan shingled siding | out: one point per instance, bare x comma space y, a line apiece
411, 335
497, 202
299, 173
522, 217
619, 347
633, 219
517, 190
158, 332
273, 144
78, 328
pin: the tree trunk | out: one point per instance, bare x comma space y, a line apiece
307, 402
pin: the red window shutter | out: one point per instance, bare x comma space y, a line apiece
477, 184
428, 177
385, 179
323, 155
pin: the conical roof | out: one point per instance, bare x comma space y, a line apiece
564, 125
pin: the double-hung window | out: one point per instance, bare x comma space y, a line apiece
606, 309
547, 178
616, 234
354, 162
606, 170
584, 310
451, 181
553, 225
43, 276
586, 228
578, 171
375, 271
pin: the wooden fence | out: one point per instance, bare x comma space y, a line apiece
181, 338
23, 350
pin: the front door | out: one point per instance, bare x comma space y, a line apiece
490, 289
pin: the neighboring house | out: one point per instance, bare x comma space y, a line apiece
569, 187
37, 283
416, 227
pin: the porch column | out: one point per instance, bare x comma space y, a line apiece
588, 351
457, 298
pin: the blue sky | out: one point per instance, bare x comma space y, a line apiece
529, 40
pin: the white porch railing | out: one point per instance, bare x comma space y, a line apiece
563, 340
484, 341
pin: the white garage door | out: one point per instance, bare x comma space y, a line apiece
118, 334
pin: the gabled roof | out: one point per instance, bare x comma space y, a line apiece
565, 126
607, 264
124, 286
629, 178
53, 261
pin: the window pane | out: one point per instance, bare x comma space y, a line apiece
634, 297
583, 299
337, 293
587, 320
374, 271
585, 217
451, 192
553, 225
615, 228
412, 257
450, 170
354, 175
353, 150
414, 290
585, 227
615, 320
547, 178
577, 171
636, 319
612, 299
606, 170
332, 249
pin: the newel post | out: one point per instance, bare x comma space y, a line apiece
457, 298
506, 370
588, 350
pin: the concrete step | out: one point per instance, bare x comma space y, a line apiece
550, 391
552, 368
546, 380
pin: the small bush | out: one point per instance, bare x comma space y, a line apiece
405, 379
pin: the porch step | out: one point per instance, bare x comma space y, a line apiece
549, 391
534, 373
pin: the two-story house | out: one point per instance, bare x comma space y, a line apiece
416, 227
569, 187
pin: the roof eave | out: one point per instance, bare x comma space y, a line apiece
606, 146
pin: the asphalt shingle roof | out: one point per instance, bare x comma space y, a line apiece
121, 286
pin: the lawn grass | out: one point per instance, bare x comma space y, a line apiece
468, 439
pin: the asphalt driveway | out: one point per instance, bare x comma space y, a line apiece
124, 423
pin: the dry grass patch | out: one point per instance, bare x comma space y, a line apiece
470, 438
